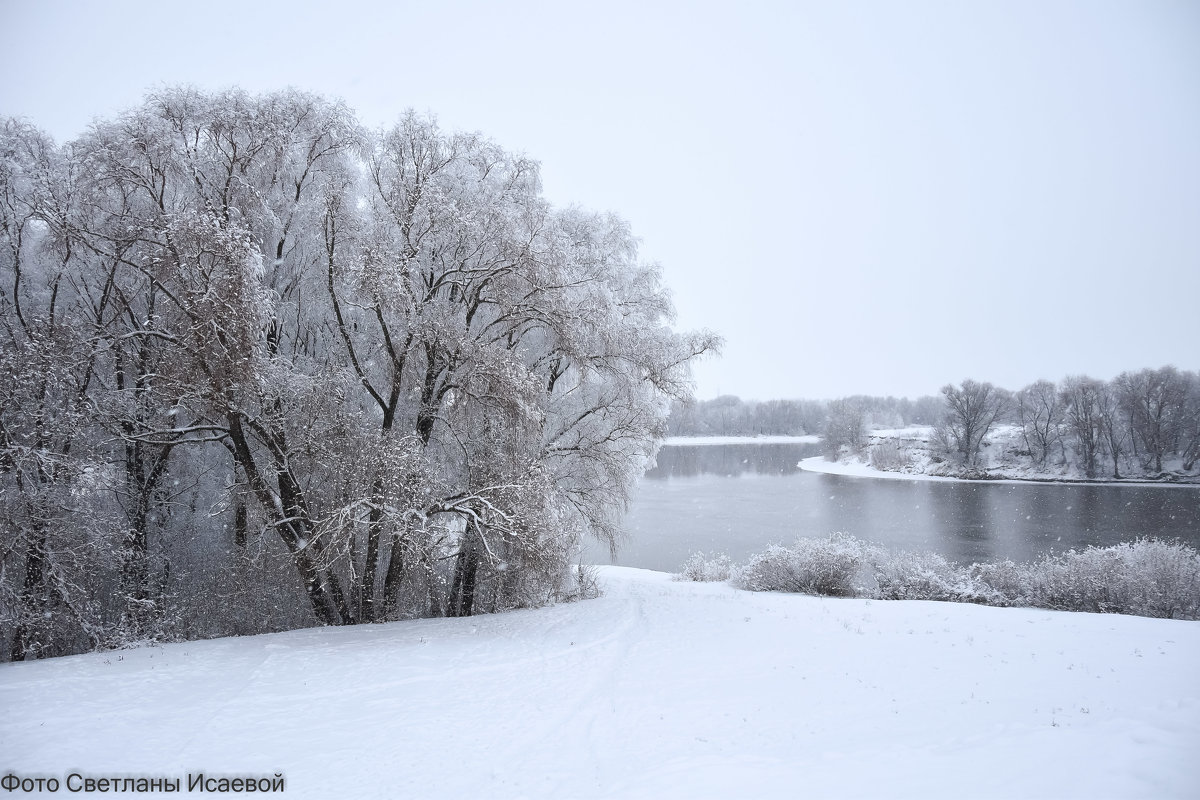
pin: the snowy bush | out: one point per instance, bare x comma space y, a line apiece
838, 566
584, 584
1007, 582
1149, 578
1088, 580
702, 567
890, 456
928, 576
1163, 579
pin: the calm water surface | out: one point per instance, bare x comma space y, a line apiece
739, 498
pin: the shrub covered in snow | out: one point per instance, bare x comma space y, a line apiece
1008, 581
583, 584
1147, 577
838, 566
703, 567
890, 455
928, 576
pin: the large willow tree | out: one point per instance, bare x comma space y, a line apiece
380, 357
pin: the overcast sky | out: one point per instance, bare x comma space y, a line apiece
861, 197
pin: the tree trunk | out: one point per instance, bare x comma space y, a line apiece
33, 592
287, 512
371, 562
345, 613
395, 576
135, 578
241, 532
462, 590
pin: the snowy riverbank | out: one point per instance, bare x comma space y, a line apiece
657, 689
858, 469
906, 454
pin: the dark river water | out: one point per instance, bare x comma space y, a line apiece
737, 499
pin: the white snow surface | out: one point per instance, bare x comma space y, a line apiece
857, 469
659, 689
860, 470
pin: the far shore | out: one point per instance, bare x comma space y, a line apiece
860, 470
689, 441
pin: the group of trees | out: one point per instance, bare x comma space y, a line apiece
1136, 422
731, 416
262, 367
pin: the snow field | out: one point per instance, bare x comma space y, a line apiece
658, 689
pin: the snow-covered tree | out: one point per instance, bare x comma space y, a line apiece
56, 523
1155, 403
1082, 399
1113, 433
845, 429
971, 410
1040, 412
383, 349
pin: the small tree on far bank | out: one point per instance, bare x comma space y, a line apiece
971, 411
1040, 412
1155, 402
845, 427
1082, 398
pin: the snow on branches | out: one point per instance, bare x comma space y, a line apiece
380, 357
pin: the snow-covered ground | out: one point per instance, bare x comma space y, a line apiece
713, 440
659, 689
858, 469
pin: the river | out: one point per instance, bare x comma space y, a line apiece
738, 498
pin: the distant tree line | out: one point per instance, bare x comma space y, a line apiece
262, 368
729, 415
1137, 422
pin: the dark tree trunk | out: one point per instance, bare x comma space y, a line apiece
324, 610
427, 413
241, 530
394, 578
340, 601
435, 598
33, 591
135, 577
369, 608
291, 521
462, 590
143, 474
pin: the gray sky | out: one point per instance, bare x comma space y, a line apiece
862, 197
